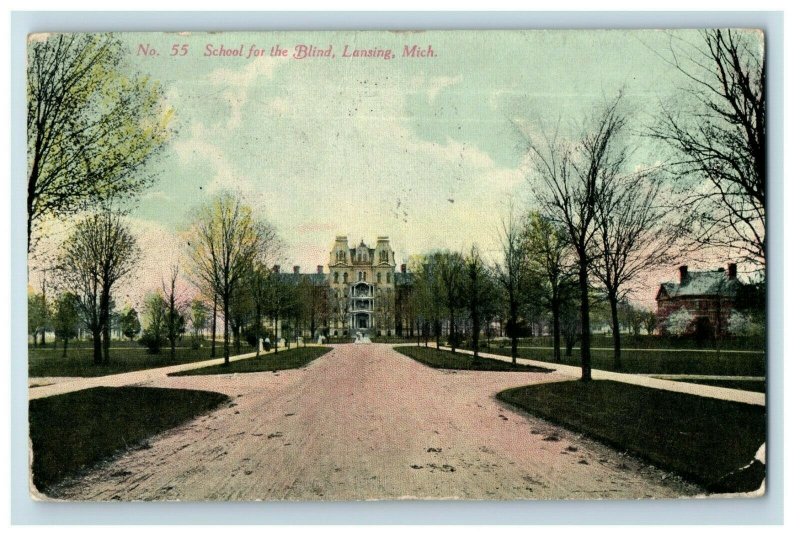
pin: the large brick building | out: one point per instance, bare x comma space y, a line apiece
363, 291
707, 296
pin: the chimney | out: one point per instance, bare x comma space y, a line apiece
684, 271
276, 268
732, 271
403, 268
296, 269
319, 268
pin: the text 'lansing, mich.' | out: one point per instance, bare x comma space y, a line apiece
301, 52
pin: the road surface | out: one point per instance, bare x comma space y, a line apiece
365, 422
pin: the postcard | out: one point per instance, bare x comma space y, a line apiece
372, 265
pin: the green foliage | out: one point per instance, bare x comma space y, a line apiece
129, 324
66, 318
127, 358
288, 359
458, 361
38, 316
154, 335
93, 123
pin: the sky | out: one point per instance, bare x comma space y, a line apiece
425, 150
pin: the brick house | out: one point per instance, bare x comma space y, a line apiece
708, 297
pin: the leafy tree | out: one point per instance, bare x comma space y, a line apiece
224, 240
129, 324
92, 125
717, 132
551, 264
38, 317
100, 251
66, 318
650, 321
155, 313
427, 294
198, 311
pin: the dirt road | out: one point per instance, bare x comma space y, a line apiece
364, 422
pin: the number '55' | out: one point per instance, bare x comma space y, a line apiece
179, 50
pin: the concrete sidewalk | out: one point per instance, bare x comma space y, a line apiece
721, 393
128, 378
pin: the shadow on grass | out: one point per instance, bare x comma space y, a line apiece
289, 359
72, 432
444, 359
703, 439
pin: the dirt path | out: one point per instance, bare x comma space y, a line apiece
364, 422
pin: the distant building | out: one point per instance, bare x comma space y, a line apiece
707, 296
362, 291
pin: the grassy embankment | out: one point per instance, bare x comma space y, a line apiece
72, 432
703, 439
267, 362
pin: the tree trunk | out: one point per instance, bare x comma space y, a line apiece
452, 331
66, 340
258, 331
214, 328
615, 330
476, 331
512, 324
583, 280
97, 346
438, 330
556, 332
225, 333
105, 305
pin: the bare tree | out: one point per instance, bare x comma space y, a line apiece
510, 273
92, 124
717, 131
478, 292
224, 241
99, 252
569, 183
174, 321
427, 294
552, 266
633, 238
450, 275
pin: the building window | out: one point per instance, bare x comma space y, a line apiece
388, 277
336, 277
379, 278
344, 277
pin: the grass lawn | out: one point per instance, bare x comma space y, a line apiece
743, 385
655, 362
289, 359
702, 439
74, 431
47, 362
443, 359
